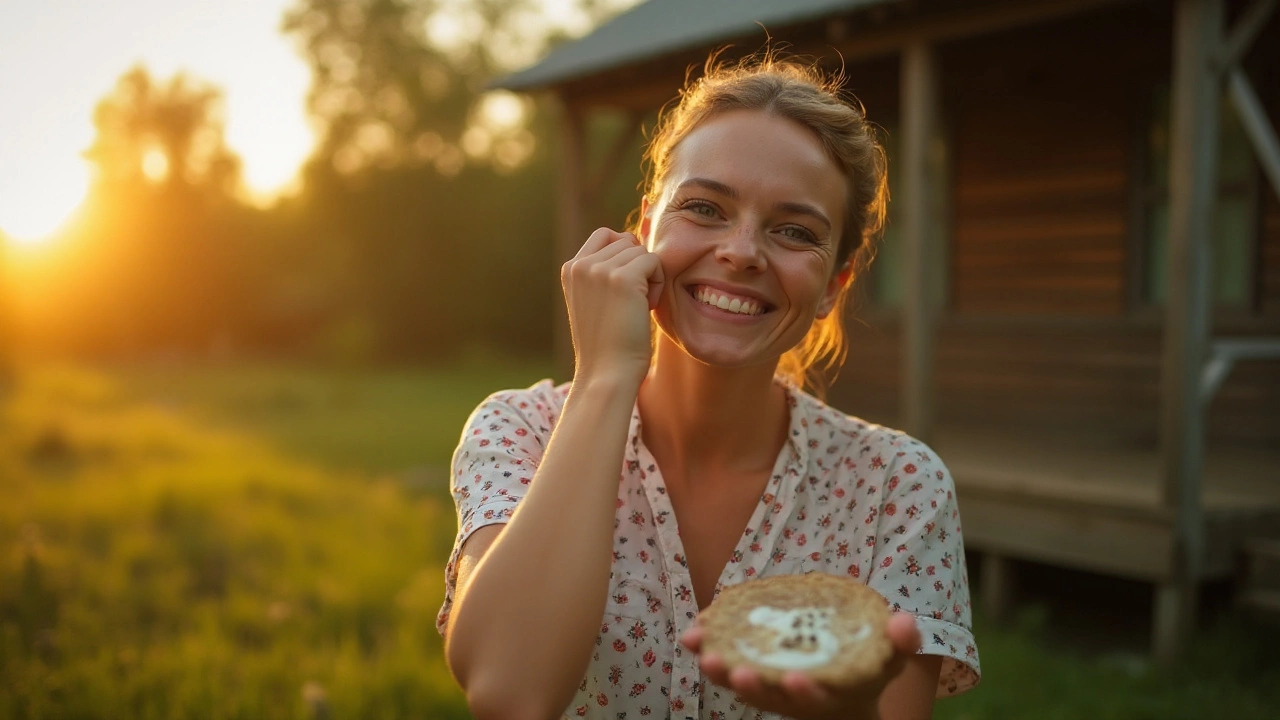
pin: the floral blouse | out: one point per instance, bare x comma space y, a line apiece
845, 497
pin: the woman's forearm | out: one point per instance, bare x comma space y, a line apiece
526, 620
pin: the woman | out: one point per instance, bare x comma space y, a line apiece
598, 517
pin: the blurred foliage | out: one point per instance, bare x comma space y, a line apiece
171, 133
401, 82
422, 229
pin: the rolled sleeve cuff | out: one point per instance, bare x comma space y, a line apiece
955, 643
493, 512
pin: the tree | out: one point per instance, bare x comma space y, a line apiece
402, 81
155, 251
162, 134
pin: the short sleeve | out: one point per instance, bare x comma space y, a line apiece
501, 446
919, 562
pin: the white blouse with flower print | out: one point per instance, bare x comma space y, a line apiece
845, 497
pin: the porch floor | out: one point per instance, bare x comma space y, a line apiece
1094, 502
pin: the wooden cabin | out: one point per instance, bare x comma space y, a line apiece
1077, 302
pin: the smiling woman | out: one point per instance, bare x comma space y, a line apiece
600, 517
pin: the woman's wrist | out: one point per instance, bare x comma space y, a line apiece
608, 383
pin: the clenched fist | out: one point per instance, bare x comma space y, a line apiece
609, 287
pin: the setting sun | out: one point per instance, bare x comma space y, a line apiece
236, 46
33, 211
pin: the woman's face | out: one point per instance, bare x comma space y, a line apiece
746, 227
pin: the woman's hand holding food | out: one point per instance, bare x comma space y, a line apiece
610, 286
800, 696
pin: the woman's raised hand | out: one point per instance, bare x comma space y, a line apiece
609, 287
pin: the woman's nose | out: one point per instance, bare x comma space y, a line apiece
742, 248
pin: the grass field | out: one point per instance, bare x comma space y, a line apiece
267, 542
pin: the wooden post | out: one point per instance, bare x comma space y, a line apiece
1192, 184
569, 230
919, 110
1257, 126
997, 586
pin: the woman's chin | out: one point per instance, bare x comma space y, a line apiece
727, 356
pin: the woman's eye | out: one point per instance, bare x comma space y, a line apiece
701, 208
795, 232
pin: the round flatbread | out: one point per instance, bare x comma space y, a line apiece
829, 627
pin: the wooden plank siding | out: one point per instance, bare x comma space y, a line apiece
1043, 159
1095, 378
1269, 258
1262, 66
1040, 331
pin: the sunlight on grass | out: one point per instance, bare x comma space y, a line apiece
376, 421
263, 541
156, 566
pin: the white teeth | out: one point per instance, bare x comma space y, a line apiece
733, 305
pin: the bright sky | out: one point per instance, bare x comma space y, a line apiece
58, 58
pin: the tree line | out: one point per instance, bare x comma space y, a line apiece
422, 229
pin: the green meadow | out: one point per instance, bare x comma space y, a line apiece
259, 541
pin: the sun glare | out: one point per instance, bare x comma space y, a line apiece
32, 211
155, 165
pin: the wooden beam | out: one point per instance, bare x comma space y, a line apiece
646, 84
919, 123
1244, 33
1192, 183
570, 220
983, 20
608, 169
1256, 125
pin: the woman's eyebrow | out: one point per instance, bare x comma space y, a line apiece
713, 185
805, 209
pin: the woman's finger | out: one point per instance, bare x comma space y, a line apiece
692, 639
804, 689
903, 633
602, 238
620, 258
604, 254
657, 283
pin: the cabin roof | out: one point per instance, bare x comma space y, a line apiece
657, 28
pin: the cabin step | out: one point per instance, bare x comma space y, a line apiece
1260, 591
1263, 601
1262, 563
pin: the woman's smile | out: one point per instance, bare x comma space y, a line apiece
719, 302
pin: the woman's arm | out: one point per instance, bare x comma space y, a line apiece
910, 695
530, 594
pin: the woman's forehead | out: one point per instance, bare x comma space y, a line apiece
755, 151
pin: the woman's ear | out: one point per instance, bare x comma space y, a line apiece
837, 283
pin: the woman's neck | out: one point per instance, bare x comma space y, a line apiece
697, 417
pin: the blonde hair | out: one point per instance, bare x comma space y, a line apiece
800, 92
